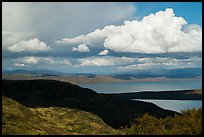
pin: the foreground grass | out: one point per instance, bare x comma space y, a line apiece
18, 119
189, 123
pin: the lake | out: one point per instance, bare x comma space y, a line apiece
176, 105
145, 86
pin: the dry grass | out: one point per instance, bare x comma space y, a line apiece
18, 119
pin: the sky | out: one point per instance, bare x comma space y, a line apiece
100, 37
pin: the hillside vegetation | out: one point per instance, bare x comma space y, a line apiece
18, 119
189, 123
114, 111
54, 107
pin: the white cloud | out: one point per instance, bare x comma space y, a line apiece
127, 64
66, 62
68, 18
104, 52
105, 61
161, 32
33, 45
19, 64
36, 60
49, 60
156, 33
10, 38
31, 60
81, 48
163, 63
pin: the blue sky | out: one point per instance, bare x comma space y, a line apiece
191, 11
103, 37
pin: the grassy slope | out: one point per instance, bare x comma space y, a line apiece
18, 119
48, 93
189, 123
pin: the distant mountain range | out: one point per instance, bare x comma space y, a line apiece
170, 73
45, 72
39, 71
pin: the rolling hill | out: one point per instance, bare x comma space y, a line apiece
114, 111
20, 120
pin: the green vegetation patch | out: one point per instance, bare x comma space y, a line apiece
188, 123
20, 120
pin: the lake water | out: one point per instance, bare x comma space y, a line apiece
176, 105
144, 86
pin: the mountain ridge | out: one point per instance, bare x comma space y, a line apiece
50, 93
45, 72
170, 73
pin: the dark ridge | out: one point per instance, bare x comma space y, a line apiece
114, 111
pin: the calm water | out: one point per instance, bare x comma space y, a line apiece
144, 86
176, 105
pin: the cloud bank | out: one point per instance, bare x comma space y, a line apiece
141, 63
87, 42
33, 45
161, 32
105, 61
36, 60
68, 18
11, 38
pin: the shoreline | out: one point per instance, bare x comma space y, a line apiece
90, 80
195, 94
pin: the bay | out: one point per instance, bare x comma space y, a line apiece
176, 105
124, 87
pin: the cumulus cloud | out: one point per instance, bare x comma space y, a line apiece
104, 52
156, 33
33, 45
36, 60
161, 32
81, 48
105, 61
10, 38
